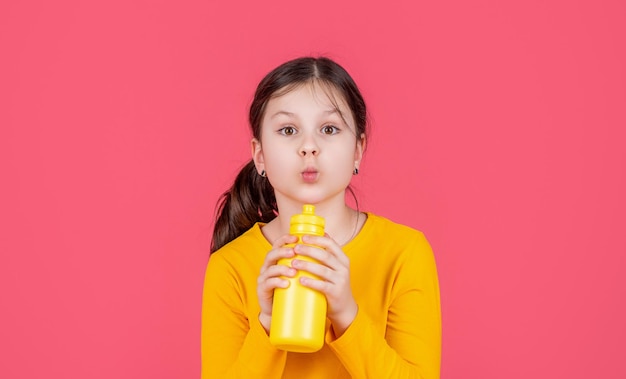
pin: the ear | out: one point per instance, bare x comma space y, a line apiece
257, 155
360, 149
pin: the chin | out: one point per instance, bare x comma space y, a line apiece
318, 198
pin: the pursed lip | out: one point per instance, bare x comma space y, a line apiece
310, 174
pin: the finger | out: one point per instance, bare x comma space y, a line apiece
319, 285
275, 255
325, 241
322, 241
274, 283
316, 253
283, 240
275, 276
327, 244
277, 271
268, 285
316, 269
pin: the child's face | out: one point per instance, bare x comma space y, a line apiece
307, 149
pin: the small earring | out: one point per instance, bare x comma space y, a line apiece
263, 173
356, 171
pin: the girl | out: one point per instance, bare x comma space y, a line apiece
379, 278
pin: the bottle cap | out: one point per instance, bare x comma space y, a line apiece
308, 217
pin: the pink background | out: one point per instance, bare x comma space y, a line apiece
498, 130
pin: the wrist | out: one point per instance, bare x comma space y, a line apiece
265, 321
342, 322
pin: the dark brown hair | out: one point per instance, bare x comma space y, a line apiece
251, 198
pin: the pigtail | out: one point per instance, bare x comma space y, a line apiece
251, 199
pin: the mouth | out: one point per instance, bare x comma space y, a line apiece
310, 175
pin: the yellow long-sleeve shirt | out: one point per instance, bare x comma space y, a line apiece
396, 333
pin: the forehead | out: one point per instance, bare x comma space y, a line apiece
320, 96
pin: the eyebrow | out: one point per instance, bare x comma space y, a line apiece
285, 113
290, 114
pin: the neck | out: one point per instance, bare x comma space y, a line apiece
341, 220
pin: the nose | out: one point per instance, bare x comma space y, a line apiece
308, 151
309, 147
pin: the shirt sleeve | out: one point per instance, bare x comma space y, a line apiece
232, 345
411, 347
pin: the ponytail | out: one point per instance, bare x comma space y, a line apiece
250, 200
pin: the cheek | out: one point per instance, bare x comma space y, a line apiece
276, 161
342, 161
346, 154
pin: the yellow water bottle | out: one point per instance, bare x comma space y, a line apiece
299, 313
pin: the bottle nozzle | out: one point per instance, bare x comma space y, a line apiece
307, 217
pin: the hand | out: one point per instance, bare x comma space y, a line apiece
334, 273
270, 277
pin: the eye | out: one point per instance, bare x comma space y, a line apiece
287, 131
330, 129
